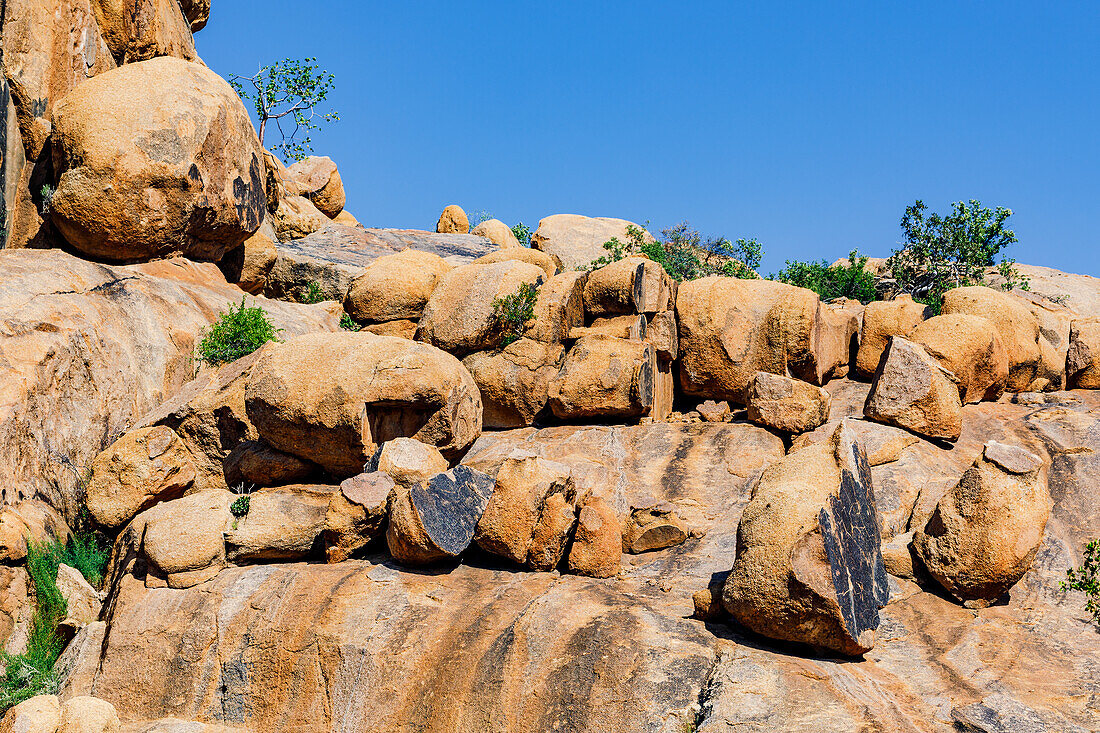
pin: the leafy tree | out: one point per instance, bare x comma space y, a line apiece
850, 280
284, 93
477, 217
522, 233
238, 332
944, 252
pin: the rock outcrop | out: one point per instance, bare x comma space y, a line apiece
515, 381
453, 221
156, 159
882, 320
1083, 359
604, 376
319, 181
395, 287
498, 233
969, 347
1014, 321
912, 391
578, 240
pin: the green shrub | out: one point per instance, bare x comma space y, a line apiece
348, 323
944, 252
31, 673
239, 507
684, 253
46, 197
849, 280
476, 217
311, 293
238, 332
1087, 579
522, 232
512, 312
88, 552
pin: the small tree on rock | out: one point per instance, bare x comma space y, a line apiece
285, 93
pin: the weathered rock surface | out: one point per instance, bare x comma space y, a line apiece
87, 349
498, 233
969, 347
597, 547
136, 30
283, 523
295, 217
559, 307
409, 461
604, 376
182, 539
630, 285
253, 464
912, 391
40, 714
1017, 325
86, 714
1083, 359
453, 220
515, 381
320, 182
985, 531
334, 256
786, 404
522, 254
460, 316
156, 159
653, 526
882, 320
436, 520
357, 514
578, 240
248, 264
552, 532
395, 287
809, 564
28, 519
523, 484
374, 389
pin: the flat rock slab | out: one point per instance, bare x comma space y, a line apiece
337, 254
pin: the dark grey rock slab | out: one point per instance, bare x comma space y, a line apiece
451, 504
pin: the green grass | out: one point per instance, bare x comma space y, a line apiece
89, 554
237, 332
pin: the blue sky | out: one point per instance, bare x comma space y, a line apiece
808, 125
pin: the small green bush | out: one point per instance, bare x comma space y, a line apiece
849, 280
945, 252
512, 312
523, 233
88, 552
1087, 579
348, 323
238, 332
46, 196
239, 507
684, 253
311, 293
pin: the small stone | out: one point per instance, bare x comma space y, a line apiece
653, 528
711, 411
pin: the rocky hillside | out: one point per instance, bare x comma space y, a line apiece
447, 482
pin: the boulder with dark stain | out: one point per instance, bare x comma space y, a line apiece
436, 520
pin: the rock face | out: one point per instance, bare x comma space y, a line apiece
969, 347
786, 404
395, 287
320, 182
515, 381
282, 523
523, 484
375, 388
598, 542
459, 317
29, 520
248, 264
985, 531
809, 565
653, 527
522, 254
630, 285
604, 376
498, 233
453, 221
436, 520
882, 320
296, 218
156, 159
912, 391
578, 240
1083, 359
141, 468
731, 329
409, 461
1014, 321
183, 538
559, 307
136, 30
88, 349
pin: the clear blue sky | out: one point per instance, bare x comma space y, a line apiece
809, 125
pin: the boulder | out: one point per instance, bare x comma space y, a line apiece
712, 411
143, 467
248, 264
621, 327
837, 338
883, 319
39, 714
347, 219
1017, 325
357, 514
578, 240
460, 316
551, 534
498, 233
786, 404
809, 565
82, 603
1083, 359
661, 331
404, 329
453, 221
664, 390
84, 714
330, 398
252, 464
985, 531
183, 538
912, 391
730, 329
604, 377
598, 543
90, 349
523, 484
409, 461
197, 13
29, 519
515, 381
436, 520
319, 181
559, 307
969, 347
395, 287
630, 285
653, 526
137, 30
281, 524
156, 159
1055, 321
522, 254
296, 218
